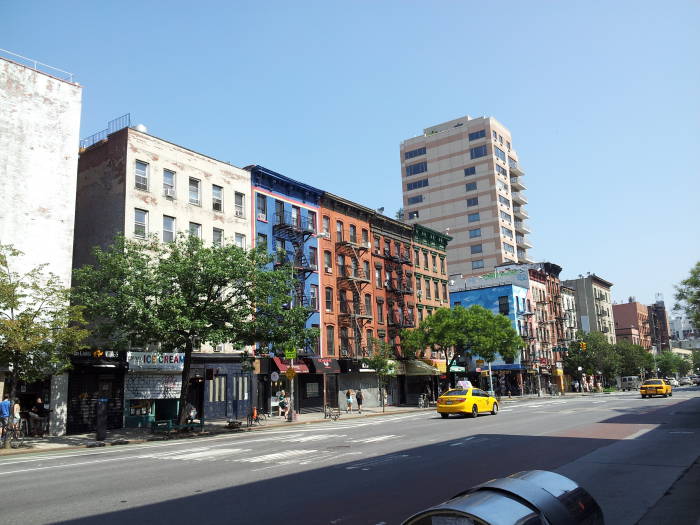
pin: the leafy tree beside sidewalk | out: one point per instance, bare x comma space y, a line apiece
380, 360
39, 329
181, 293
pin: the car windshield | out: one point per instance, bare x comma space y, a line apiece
455, 393
653, 382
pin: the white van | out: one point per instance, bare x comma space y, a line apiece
626, 383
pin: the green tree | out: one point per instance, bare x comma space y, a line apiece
381, 361
39, 329
688, 296
599, 357
182, 292
685, 365
667, 363
632, 357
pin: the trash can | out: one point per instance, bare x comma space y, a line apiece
531, 497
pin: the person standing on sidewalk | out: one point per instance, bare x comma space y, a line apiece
348, 401
359, 398
5, 408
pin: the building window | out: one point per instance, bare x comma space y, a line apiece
508, 247
365, 269
506, 216
168, 228
475, 233
327, 261
477, 248
415, 200
471, 186
414, 153
436, 291
508, 145
279, 212
365, 237
378, 277
474, 217
505, 231
311, 218
140, 223
501, 170
313, 296
370, 336
477, 264
503, 306
474, 201
444, 292
217, 236
477, 135
326, 224
352, 230
261, 240
415, 169
338, 231
499, 153
296, 216
442, 265
169, 184
418, 184
313, 256
196, 230
330, 340
329, 299
195, 197
477, 152
380, 312
413, 215
425, 260
240, 240
141, 176
419, 286
427, 288
435, 263
217, 198
495, 135
239, 204
368, 305
261, 207
376, 244
470, 171
504, 201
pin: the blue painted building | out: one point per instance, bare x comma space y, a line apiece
508, 299
286, 214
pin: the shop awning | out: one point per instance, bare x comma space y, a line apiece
419, 368
511, 366
324, 365
437, 363
283, 364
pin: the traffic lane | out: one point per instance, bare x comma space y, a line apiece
385, 488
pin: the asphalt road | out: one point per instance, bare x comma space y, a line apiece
626, 451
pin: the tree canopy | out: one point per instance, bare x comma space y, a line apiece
688, 296
39, 329
181, 293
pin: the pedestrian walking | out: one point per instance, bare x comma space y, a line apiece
359, 398
5, 409
348, 401
15, 416
282, 403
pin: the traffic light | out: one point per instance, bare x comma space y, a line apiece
583, 346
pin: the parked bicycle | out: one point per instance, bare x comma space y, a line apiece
256, 417
330, 412
16, 433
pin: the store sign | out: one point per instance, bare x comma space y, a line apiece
155, 361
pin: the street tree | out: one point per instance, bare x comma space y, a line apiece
667, 363
39, 328
632, 357
381, 361
688, 296
180, 293
598, 358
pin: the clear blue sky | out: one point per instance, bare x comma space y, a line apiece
602, 98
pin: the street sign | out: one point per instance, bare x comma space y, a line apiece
290, 354
275, 376
290, 373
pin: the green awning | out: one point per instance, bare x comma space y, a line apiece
419, 368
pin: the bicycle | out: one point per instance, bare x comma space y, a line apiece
16, 434
256, 417
330, 412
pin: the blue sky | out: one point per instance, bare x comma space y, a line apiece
602, 99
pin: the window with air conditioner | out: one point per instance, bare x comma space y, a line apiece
239, 205
169, 184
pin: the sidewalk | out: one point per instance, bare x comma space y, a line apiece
136, 435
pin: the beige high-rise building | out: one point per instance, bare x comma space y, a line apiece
463, 178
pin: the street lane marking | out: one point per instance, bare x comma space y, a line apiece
364, 465
277, 456
33, 469
639, 433
375, 439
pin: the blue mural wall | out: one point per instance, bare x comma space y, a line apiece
285, 217
489, 298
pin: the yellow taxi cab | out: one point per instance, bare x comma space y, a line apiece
656, 387
471, 401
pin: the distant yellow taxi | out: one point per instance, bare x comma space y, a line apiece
467, 401
655, 387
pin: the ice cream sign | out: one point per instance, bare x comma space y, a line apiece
155, 361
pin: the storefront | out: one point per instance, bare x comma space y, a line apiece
221, 386
97, 374
324, 371
418, 378
152, 387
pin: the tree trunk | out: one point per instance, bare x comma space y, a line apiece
185, 389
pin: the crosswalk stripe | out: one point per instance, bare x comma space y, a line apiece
277, 456
375, 439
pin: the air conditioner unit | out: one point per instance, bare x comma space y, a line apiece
328, 270
323, 235
262, 217
419, 293
239, 213
169, 192
217, 205
313, 267
367, 244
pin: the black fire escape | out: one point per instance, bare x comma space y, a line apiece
397, 288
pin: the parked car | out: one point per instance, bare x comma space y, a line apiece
626, 383
685, 381
466, 401
673, 382
655, 387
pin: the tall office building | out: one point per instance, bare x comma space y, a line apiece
462, 177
